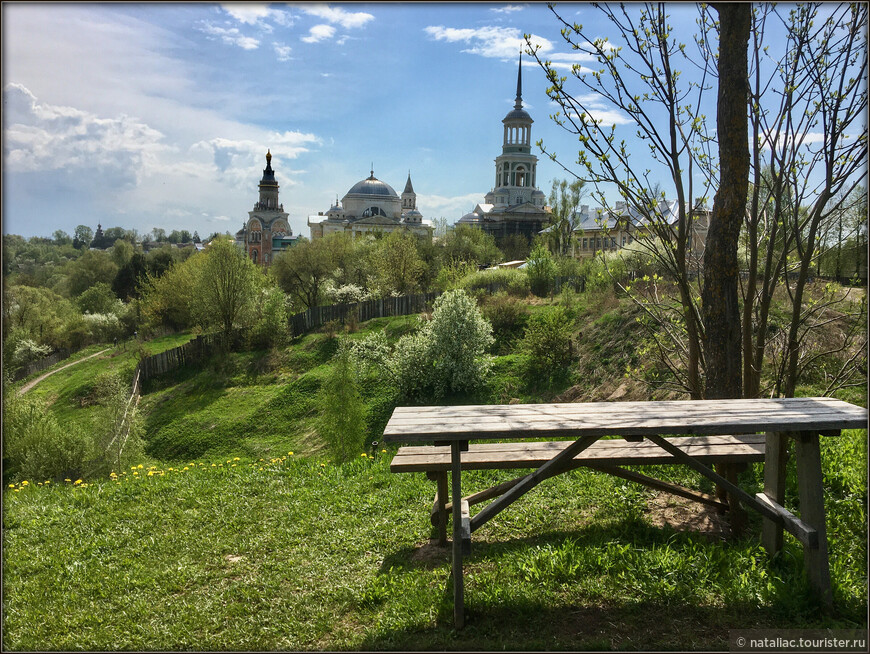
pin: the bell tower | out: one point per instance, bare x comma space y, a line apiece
516, 166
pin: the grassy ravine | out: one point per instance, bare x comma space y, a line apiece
224, 540
292, 553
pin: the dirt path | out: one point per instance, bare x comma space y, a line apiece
31, 384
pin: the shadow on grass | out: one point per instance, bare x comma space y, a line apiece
588, 609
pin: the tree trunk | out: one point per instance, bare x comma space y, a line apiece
720, 307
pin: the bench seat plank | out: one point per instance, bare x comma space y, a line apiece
482, 456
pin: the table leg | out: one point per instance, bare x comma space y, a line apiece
809, 476
440, 507
456, 497
775, 461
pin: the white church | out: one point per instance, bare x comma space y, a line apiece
372, 206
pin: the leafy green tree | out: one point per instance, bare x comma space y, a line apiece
91, 267
515, 247
466, 243
84, 235
122, 252
61, 237
342, 421
158, 234
228, 288
541, 269
158, 260
303, 270
564, 199
99, 298
397, 265
129, 276
168, 300
38, 313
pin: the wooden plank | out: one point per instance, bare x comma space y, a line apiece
441, 504
658, 484
456, 492
482, 496
552, 467
808, 536
732, 489
482, 456
465, 527
811, 495
775, 462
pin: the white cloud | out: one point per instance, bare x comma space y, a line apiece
451, 208
230, 36
507, 9
248, 13
257, 15
488, 41
44, 137
282, 51
348, 20
319, 33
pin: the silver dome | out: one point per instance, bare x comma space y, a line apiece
372, 186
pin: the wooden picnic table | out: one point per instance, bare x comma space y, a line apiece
801, 419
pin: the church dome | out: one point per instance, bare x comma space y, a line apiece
373, 186
518, 114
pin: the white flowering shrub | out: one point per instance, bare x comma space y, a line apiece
26, 350
102, 327
346, 294
459, 336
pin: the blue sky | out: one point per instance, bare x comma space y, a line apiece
159, 115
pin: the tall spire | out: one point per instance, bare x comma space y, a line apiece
519, 103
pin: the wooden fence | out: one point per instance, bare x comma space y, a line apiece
163, 362
41, 364
404, 305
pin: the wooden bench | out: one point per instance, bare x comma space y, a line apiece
729, 453
754, 430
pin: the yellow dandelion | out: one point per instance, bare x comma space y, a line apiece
289, 453
322, 465
185, 468
383, 451
77, 482
83, 486
25, 482
171, 469
132, 467
235, 458
48, 481
140, 466
67, 479
233, 466
135, 474
39, 483
363, 455
17, 490
11, 485
214, 466
260, 468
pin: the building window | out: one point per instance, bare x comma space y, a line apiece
584, 244
613, 242
598, 243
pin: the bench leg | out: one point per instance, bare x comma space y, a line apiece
458, 583
736, 512
809, 476
440, 507
775, 462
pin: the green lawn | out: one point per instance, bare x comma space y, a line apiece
292, 553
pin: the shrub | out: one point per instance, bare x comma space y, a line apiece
24, 350
451, 275
507, 315
102, 327
547, 340
512, 280
541, 270
36, 446
342, 413
271, 328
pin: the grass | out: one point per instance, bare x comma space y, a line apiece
254, 548
67, 390
290, 553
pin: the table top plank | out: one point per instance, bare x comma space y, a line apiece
612, 452
740, 416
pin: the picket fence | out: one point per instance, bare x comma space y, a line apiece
404, 305
41, 364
